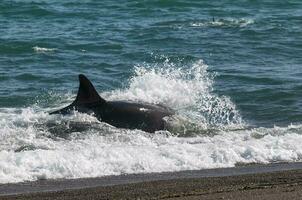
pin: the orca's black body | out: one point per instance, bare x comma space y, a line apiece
121, 114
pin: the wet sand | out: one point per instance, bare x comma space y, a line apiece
275, 181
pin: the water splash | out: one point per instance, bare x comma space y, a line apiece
28, 153
35, 145
186, 89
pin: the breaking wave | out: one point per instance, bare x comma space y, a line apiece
43, 49
224, 22
186, 89
35, 145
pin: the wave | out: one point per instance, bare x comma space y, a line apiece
30, 150
38, 49
35, 145
187, 89
224, 22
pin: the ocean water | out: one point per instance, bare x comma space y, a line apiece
232, 71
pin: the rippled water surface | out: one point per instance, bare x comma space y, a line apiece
230, 70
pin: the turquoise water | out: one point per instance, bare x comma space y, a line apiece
255, 47
222, 66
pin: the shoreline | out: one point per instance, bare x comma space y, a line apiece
263, 180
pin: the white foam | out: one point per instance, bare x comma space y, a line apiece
43, 49
35, 145
187, 89
93, 153
242, 22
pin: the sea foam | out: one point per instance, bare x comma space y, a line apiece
43, 49
225, 22
35, 145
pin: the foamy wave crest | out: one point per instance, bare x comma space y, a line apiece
43, 49
224, 22
186, 89
35, 145
29, 152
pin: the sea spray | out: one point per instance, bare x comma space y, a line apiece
36, 145
187, 89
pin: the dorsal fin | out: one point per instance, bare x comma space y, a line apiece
87, 93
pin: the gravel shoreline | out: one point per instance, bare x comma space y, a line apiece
283, 184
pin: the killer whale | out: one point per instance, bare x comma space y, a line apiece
121, 114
